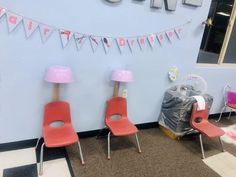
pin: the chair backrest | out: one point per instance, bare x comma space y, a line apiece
56, 111
198, 117
116, 106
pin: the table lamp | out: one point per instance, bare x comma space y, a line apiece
120, 76
58, 75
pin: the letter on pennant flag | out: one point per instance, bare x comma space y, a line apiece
170, 35
65, 37
152, 39
45, 31
95, 41
2, 11
132, 42
30, 26
142, 41
121, 42
107, 42
13, 20
179, 32
79, 39
160, 37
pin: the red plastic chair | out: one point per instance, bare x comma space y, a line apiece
58, 111
199, 121
229, 101
117, 106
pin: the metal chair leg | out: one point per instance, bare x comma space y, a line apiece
221, 113
222, 146
81, 154
108, 146
41, 160
230, 114
202, 149
37, 142
139, 149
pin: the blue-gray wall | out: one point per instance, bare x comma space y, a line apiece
23, 92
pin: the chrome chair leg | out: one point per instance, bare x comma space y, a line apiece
221, 113
222, 146
139, 149
108, 146
41, 160
37, 142
81, 154
202, 149
230, 113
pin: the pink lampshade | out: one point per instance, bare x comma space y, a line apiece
59, 74
122, 76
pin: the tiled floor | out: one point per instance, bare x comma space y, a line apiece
25, 163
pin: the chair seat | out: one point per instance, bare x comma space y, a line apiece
233, 106
121, 127
59, 137
209, 130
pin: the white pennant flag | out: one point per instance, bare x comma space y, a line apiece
65, 37
121, 42
142, 42
95, 41
45, 31
13, 20
152, 39
107, 43
161, 38
79, 39
132, 43
2, 11
170, 34
179, 32
30, 26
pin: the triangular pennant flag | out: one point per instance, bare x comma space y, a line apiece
45, 31
170, 34
121, 42
65, 37
95, 41
2, 11
107, 42
13, 20
142, 42
151, 39
132, 42
79, 39
179, 32
160, 37
30, 26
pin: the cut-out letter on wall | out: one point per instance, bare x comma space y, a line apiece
193, 2
170, 5
156, 3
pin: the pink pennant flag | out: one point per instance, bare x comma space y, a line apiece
2, 11
13, 20
45, 31
107, 43
79, 39
65, 37
161, 38
30, 26
95, 41
179, 32
121, 42
132, 43
170, 34
151, 39
142, 42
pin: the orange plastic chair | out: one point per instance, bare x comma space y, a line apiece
58, 111
199, 121
117, 106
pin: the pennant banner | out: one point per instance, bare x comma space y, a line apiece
79, 39
65, 37
132, 43
95, 41
107, 42
142, 42
170, 34
152, 39
30, 26
45, 31
121, 42
13, 20
160, 38
2, 11
179, 32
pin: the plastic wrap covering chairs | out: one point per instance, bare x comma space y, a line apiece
58, 136
199, 121
229, 101
117, 106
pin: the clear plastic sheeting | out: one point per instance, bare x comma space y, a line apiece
177, 106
